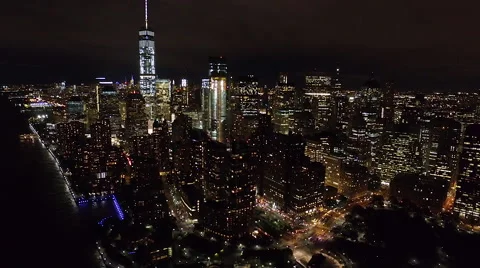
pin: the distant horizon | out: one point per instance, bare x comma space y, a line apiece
349, 82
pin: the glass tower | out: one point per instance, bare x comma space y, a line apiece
217, 106
147, 58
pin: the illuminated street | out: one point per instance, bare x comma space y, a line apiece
305, 242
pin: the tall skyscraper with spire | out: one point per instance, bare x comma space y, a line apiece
147, 58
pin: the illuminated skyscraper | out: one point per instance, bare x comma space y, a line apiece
245, 106
400, 153
467, 203
357, 145
217, 98
110, 108
147, 57
283, 105
371, 109
163, 99
441, 151
180, 96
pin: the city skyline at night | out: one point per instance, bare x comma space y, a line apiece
394, 41
241, 134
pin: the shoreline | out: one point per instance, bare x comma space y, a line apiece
78, 199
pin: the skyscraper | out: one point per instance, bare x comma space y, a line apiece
163, 99
399, 153
217, 99
110, 108
227, 210
245, 106
283, 104
147, 57
467, 202
136, 121
441, 148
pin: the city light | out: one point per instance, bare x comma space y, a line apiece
302, 169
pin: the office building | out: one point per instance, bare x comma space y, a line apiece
284, 153
136, 122
441, 148
110, 109
355, 180
357, 147
306, 189
181, 96
423, 191
245, 107
217, 99
163, 99
467, 201
283, 104
162, 146
400, 153
75, 108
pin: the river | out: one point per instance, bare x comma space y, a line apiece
42, 225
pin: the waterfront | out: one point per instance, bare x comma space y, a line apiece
42, 224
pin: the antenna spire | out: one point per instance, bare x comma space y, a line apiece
146, 13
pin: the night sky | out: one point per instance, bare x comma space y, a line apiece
431, 44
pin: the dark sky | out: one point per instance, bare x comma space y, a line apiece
427, 43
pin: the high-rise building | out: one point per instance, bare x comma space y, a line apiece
100, 135
318, 146
217, 98
442, 148
227, 210
316, 82
284, 105
110, 109
182, 150
241, 190
161, 142
423, 191
284, 153
136, 122
355, 180
163, 99
245, 106
75, 108
180, 96
306, 190
70, 138
341, 113
199, 138
149, 202
205, 94
334, 172
400, 153
147, 57
387, 113
260, 149
371, 102
467, 200
101, 160
357, 147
